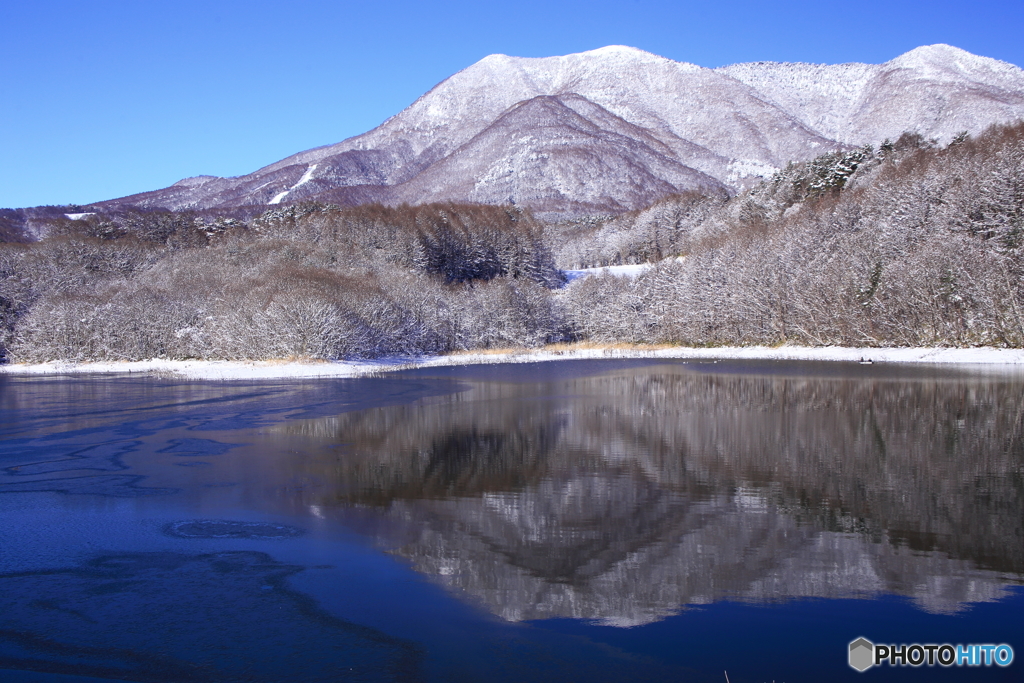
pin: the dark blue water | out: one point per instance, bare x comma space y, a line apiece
564, 521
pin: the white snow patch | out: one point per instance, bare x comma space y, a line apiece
745, 168
997, 360
79, 216
631, 270
211, 369
306, 177
927, 355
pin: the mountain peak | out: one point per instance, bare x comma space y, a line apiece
620, 51
936, 52
941, 61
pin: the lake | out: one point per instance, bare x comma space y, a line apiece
577, 520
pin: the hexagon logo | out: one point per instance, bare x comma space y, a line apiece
862, 654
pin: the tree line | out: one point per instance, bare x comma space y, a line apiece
308, 281
908, 244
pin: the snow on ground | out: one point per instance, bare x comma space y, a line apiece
79, 216
215, 369
1003, 360
632, 270
279, 196
306, 177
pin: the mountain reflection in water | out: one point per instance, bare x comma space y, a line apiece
624, 497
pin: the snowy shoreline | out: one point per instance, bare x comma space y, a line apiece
249, 370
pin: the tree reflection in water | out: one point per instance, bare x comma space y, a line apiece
623, 497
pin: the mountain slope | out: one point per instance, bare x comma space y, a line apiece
935, 90
585, 158
613, 129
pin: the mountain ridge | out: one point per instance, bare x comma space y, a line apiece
621, 127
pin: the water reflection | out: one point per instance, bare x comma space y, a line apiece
626, 496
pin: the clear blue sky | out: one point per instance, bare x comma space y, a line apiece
101, 99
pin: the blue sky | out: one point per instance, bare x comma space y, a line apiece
107, 98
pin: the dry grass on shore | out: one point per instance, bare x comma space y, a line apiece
563, 347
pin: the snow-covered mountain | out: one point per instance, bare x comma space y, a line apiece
936, 90
615, 128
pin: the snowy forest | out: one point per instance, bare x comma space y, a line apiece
909, 244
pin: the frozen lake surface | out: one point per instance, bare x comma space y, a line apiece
604, 520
